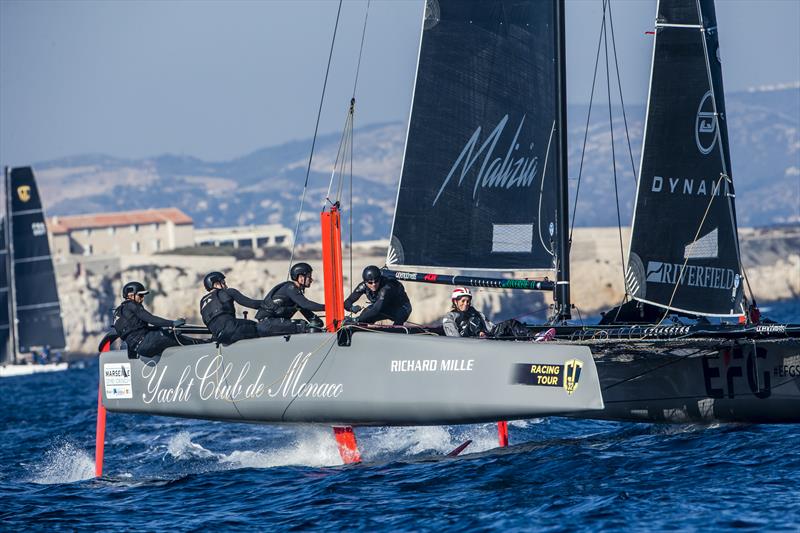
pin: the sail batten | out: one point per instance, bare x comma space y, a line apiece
479, 177
684, 251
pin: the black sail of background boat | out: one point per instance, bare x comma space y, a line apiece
30, 311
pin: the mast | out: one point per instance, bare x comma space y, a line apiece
12, 317
561, 293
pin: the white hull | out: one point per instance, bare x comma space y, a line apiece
24, 370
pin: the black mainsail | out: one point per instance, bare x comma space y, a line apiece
479, 182
684, 247
35, 298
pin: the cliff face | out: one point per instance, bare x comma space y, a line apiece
89, 291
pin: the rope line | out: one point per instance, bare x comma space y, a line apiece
314, 140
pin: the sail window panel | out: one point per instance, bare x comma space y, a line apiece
40, 327
512, 238
483, 112
35, 283
678, 12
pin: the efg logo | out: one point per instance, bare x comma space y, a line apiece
705, 134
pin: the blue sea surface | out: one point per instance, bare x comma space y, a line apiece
558, 474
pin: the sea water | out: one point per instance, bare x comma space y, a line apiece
558, 474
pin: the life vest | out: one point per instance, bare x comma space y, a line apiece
126, 321
276, 305
469, 322
211, 306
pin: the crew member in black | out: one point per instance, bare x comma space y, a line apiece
133, 324
463, 320
387, 298
219, 313
284, 300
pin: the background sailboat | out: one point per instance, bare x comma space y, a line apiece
30, 311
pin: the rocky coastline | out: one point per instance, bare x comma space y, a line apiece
89, 289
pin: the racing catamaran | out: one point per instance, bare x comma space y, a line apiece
484, 187
30, 312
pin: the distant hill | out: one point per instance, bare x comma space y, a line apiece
265, 186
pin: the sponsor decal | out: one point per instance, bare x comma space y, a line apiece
775, 328
494, 172
405, 275
689, 186
706, 277
705, 135
210, 378
431, 277
786, 371
431, 365
24, 193
38, 229
736, 372
572, 374
567, 375
117, 381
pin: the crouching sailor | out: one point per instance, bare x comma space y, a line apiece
219, 313
133, 324
387, 298
284, 300
463, 320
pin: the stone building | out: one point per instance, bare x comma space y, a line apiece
255, 237
117, 234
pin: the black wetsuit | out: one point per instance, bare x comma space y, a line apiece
132, 323
219, 314
388, 302
280, 305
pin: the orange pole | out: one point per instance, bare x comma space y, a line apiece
502, 433
332, 268
100, 435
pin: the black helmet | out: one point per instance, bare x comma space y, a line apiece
372, 273
133, 287
212, 278
300, 269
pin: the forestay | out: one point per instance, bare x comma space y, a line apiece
478, 184
6, 355
37, 308
684, 247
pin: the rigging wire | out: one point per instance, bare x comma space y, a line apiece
314, 140
613, 151
586, 130
621, 100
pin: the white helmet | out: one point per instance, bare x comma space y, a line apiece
459, 292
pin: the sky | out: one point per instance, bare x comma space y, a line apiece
217, 80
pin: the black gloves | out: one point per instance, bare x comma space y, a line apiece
355, 308
178, 323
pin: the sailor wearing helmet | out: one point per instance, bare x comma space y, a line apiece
133, 324
285, 300
463, 320
219, 312
387, 298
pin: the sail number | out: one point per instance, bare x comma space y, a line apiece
736, 370
38, 229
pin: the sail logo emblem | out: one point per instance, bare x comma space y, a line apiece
572, 374
494, 170
705, 134
24, 192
